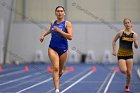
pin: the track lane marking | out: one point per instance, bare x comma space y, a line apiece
89, 73
18, 79
138, 72
110, 80
104, 82
12, 73
77, 75
45, 81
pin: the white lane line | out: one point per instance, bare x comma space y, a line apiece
89, 73
77, 75
15, 80
18, 79
12, 73
112, 76
45, 81
101, 87
22, 83
138, 72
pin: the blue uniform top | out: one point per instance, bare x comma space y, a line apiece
57, 40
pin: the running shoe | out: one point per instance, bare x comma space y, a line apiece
57, 91
127, 89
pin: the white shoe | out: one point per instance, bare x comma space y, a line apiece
57, 91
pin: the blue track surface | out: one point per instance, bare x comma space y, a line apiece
13, 79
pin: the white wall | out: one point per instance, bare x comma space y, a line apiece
24, 39
89, 10
81, 10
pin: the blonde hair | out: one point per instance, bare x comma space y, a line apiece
127, 19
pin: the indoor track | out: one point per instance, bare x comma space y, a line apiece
82, 78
